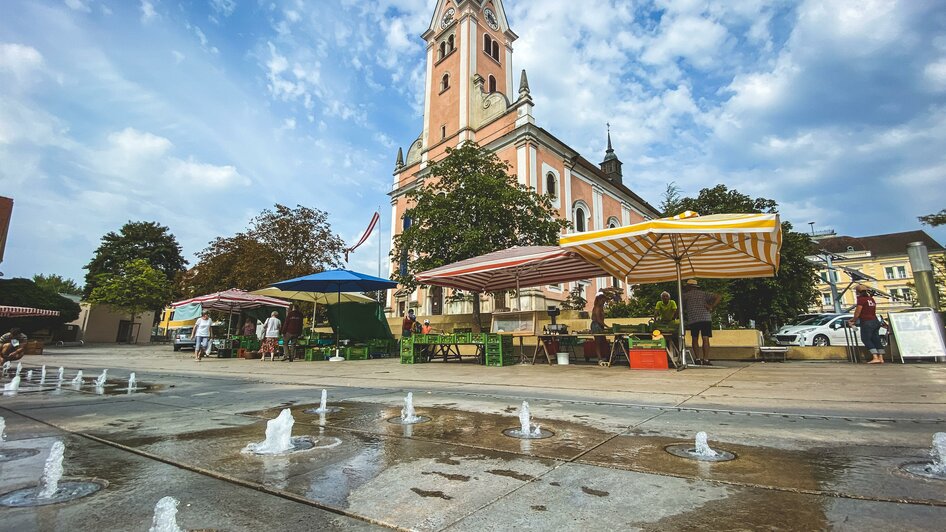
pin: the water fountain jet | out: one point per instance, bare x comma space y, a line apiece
132, 382
77, 381
165, 516
29, 376
100, 381
526, 430
51, 489
279, 438
42, 375
936, 469
700, 450
62, 372
11, 387
408, 415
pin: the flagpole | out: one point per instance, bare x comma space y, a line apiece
380, 230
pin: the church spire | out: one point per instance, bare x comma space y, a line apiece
400, 159
523, 84
609, 154
611, 164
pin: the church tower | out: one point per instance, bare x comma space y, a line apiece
611, 165
469, 57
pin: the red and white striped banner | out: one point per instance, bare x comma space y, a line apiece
25, 312
371, 225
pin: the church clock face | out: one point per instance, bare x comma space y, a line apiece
447, 18
491, 18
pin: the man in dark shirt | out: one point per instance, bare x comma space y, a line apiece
12, 345
866, 311
291, 329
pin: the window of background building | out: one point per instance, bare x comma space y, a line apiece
492, 83
445, 82
826, 298
895, 272
824, 276
550, 184
580, 220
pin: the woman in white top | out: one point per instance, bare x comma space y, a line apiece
270, 336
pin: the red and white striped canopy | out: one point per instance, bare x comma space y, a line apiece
518, 266
232, 299
25, 312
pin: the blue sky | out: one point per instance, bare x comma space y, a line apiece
199, 114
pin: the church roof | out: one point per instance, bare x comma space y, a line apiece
880, 245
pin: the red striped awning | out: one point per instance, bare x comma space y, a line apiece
231, 300
518, 266
25, 312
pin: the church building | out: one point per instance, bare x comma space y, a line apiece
472, 94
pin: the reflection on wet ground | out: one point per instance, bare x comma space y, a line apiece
459, 471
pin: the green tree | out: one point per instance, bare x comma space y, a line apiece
135, 240
279, 244
468, 206
26, 293
575, 299
934, 220
57, 284
767, 301
135, 288
302, 237
671, 203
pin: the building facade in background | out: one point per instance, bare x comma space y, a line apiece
881, 257
473, 94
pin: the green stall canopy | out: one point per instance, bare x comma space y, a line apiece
359, 321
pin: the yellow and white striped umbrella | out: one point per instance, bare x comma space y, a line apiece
685, 246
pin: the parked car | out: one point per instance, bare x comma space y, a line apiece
822, 330
182, 339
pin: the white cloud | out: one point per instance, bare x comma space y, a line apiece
223, 7
202, 175
78, 5
178, 57
19, 60
147, 11
935, 74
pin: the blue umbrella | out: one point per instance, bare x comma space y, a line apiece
336, 281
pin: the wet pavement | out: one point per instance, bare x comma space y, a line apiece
812, 453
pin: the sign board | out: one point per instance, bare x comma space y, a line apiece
6, 212
919, 334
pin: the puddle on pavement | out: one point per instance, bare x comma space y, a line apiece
861, 471
112, 387
474, 429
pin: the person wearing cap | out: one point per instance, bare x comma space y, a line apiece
866, 312
426, 328
201, 334
698, 307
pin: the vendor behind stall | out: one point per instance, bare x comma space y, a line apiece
599, 328
665, 313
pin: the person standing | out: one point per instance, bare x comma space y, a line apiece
698, 307
407, 325
203, 330
291, 330
866, 312
12, 345
271, 328
599, 328
249, 328
426, 328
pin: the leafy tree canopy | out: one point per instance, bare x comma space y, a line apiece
279, 244
468, 206
934, 220
26, 293
135, 240
768, 301
57, 284
135, 288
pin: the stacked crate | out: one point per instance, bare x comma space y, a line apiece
407, 351
499, 350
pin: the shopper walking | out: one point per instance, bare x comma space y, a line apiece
271, 328
203, 330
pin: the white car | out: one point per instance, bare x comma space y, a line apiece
823, 330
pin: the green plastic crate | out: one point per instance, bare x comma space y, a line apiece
647, 344
463, 338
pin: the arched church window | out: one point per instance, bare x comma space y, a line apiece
450, 43
550, 184
580, 220
496, 50
492, 83
443, 50
487, 44
445, 82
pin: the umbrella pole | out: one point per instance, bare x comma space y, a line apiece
518, 295
338, 326
683, 342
